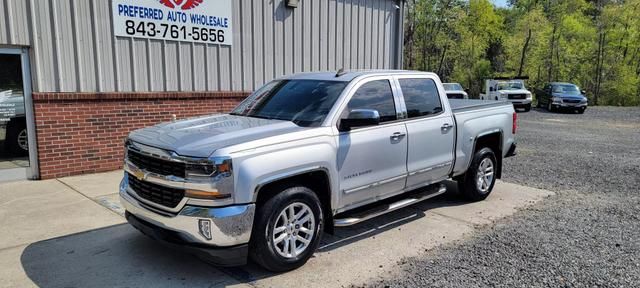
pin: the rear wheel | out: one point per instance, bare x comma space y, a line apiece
480, 178
287, 229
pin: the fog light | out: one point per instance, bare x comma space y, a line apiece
204, 226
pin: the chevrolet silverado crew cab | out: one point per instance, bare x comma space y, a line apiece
307, 153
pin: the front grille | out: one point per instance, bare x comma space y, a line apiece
156, 165
165, 196
570, 101
517, 96
455, 96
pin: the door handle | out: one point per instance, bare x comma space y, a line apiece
446, 126
397, 135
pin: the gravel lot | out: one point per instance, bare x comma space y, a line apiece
587, 235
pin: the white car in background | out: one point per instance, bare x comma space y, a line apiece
455, 91
508, 89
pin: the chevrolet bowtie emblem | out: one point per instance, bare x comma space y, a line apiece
140, 175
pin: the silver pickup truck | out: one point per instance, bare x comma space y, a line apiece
307, 153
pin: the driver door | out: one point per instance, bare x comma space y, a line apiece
372, 160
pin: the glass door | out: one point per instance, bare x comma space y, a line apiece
15, 105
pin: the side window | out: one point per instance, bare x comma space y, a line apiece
375, 95
420, 96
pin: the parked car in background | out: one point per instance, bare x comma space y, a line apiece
455, 91
508, 89
305, 153
12, 117
562, 96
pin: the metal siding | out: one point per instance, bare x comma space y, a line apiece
73, 48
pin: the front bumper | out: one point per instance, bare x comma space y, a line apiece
569, 105
214, 233
520, 102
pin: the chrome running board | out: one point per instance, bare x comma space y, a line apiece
360, 215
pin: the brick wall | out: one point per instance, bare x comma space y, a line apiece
82, 133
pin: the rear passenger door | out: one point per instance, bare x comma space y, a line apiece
430, 129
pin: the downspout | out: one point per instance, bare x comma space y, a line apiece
398, 39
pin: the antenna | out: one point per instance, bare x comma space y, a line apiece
340, 72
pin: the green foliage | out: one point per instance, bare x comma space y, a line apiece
594, 44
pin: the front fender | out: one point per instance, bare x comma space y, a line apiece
263, 167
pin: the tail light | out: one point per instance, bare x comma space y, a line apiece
515, 123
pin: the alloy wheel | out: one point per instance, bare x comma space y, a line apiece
293, 230
484, 175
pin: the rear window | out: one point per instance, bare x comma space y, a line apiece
421, 97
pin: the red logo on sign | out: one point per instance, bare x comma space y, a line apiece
182, 4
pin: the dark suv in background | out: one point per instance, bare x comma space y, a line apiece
557, 96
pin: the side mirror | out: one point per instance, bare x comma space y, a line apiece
583, 92
466, 90
359, 118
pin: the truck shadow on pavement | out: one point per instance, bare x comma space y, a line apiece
121, 256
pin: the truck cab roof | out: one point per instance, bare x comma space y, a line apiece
349, 75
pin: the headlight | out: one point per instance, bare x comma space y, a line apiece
214, 167
217, 170
528, 95
556, 99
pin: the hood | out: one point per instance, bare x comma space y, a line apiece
200, 137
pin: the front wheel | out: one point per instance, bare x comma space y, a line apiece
480, 178
527, 108
287, 229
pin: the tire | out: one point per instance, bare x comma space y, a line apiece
470, 185
538, 104
16, 138
527, 108
265, 251
581, 111
549, 106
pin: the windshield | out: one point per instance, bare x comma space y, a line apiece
304, 102
566, 89
510, 85
452, 87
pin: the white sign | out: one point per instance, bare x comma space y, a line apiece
203, 21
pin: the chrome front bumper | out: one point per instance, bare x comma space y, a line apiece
569, 105
211, 226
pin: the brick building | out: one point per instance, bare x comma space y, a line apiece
83, 73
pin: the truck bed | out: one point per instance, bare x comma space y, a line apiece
460, 105
479, 117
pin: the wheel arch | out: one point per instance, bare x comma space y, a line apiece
315, 178
492, 140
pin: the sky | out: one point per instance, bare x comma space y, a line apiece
500, 3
